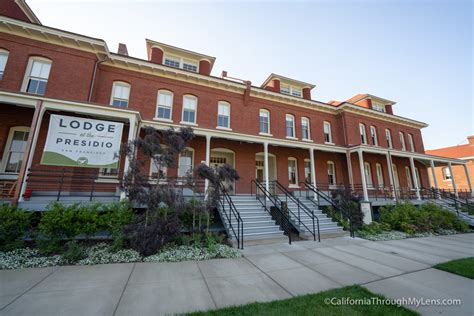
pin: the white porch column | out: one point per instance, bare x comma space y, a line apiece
433, 173
468, 178
415, 178
390, 175
32, 152
132, 134
313, 170
265, 154
208, 159
349, 169
453, 179
362, 174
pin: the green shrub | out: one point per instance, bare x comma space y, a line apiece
74, 252
14, 223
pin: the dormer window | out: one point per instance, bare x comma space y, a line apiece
378, 107
179, 62
286, 89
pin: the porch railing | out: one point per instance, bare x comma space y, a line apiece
231, 213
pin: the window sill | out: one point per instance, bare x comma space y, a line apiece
291, 138
265, 134
332, 144
163, 119
188, 123
9, 176
308, 140
107, 180
224, 128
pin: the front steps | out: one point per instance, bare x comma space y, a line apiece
257, 223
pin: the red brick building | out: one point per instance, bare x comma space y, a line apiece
272, 131
455, 177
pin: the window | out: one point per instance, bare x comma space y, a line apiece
363, 137
264, 122
327, 133
223, 114
37, 75
286, 89
408, 174
378, 107
417, 176
373, 135
157, 170
120, 94
164, 108
15, 149
446, 173
185, 165
388, 137
178, 62
3, 62
331, 173
402, 141
307, 171
189, 109
305, 131
368, 175
410, 142
378, 168
292, 171
290, 126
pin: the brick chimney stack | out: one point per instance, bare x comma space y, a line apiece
122, 49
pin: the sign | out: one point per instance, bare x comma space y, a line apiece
82, 142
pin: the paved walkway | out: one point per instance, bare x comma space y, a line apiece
267, 272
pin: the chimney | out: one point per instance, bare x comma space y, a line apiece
470, 139
122, 49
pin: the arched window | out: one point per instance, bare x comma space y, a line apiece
307, 171
411, 143
186, 162
3, 61
373, 136
290, 126
331, 173
190, 104
368, 175
36, 76
388, 137
292, 171
120, 94
402, 141
223, 114
363, 136
14, 149
305, 129
379, 170
264, 122
327, 133
408, 175
164, 105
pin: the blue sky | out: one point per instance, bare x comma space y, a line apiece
417, 53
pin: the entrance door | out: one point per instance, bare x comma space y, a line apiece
216, 162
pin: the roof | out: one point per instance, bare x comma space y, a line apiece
293, 81
460, 151
362, 96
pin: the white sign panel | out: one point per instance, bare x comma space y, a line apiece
82, 142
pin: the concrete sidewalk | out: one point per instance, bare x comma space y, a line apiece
267, 272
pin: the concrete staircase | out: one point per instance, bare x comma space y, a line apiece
448, 205
326, 225
257, 223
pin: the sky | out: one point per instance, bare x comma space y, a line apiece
416, 53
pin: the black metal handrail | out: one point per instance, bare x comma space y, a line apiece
301, 206
233, 213
328, 199
280, 216
436, 196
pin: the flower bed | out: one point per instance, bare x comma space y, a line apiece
104, 254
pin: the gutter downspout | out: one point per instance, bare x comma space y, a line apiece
94, 73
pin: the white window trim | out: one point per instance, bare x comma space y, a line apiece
195, 111
26, 76
330, 162
228, 128
326, 123
294, 127
3, 163
401, 137
367, 173
269, 133
443, 173
309, 129
7, 54
378, 167
181, 60
411, 143
362, 131
409, 179
373, 136
292, 89
192, 159
123, 84
170, 120
293, 185
157, 181
389, 134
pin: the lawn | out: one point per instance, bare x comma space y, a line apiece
463, 267
314, 304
